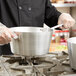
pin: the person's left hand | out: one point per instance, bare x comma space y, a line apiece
66, 20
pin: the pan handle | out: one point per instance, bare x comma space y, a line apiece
60, 25
48, 29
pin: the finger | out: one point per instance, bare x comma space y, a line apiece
72, 22
1, 41
8, 33
8, 37
13, 34
68, 24
65, 26
5, 38
60, 22
17, 33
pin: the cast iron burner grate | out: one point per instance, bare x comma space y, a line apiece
24, 61
53, 65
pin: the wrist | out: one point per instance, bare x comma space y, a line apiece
2, 25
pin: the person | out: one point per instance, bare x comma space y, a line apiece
14, 13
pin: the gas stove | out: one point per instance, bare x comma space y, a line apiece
52, 64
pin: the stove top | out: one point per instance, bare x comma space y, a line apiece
52, 64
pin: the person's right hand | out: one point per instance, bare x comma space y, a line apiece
5, 35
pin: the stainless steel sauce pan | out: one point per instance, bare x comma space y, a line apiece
32, 41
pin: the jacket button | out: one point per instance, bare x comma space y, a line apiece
29, 8
20, 7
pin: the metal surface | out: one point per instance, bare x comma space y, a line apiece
53, 64
72, 51
32, 41
61, 25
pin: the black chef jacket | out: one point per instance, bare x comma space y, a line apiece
33, 13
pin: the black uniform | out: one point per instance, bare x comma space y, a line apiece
33, 13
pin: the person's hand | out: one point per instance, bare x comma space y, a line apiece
5, 35
66, 20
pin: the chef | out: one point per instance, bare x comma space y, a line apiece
14, 13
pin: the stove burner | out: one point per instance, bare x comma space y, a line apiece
12, 60
36, 61
32, 66
25, 61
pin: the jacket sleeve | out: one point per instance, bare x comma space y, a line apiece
51, 14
